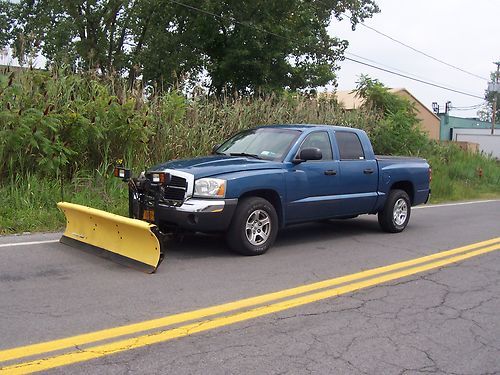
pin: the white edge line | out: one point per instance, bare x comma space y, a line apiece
455, 204
27, 243
415, 208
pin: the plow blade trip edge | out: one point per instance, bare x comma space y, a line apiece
130, 242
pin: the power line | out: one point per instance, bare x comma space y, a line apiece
380, 64
463, 109
414, 79
347, 58
469, 107
392, 68
419, 51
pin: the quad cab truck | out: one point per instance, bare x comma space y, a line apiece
255, 183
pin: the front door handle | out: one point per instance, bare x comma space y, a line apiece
368, 171
330, 172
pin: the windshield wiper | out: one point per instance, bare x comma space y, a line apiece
245, 154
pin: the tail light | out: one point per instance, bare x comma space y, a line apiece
430, 174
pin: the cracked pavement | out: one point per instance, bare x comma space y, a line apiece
446, 321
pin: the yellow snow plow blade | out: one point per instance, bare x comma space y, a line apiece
132, 242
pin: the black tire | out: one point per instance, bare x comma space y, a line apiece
260, 236
396, 212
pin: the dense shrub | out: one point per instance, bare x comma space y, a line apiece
398, 131
51, 122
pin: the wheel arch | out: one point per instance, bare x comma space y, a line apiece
406, 186
272, 197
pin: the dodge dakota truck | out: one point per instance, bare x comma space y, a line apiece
266, 178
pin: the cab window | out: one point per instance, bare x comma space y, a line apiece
349, 146
319, 140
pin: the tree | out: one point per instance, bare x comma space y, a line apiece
249, 47
83, 34
259, 46
398, 131
6, 21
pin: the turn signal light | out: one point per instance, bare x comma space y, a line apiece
159, 178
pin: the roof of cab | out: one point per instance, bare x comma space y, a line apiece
308, 127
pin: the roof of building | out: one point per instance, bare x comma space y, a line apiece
350, 101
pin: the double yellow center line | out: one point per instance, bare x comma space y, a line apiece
154, 331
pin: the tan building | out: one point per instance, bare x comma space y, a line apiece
429, 121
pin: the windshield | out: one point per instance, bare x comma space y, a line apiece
263, 143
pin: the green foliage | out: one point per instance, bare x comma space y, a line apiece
29, 202
52, 123
6, 20
378, 98
57, 126
249, 47
456, 174
398, 132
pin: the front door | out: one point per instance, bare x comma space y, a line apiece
311, 185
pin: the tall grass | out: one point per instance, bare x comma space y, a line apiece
459, 174
53, 122
29, 202
58, 127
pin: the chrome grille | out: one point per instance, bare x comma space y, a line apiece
177, 182
173, 192
175, 189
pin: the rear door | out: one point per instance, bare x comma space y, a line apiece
357, 189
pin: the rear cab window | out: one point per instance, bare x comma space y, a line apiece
350, 147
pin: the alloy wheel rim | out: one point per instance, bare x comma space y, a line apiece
258, 227
400, 212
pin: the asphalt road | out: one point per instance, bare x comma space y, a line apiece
444, 320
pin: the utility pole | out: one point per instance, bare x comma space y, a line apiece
495, 93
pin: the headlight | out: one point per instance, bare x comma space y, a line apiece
210, 187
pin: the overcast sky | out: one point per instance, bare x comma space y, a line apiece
463, 33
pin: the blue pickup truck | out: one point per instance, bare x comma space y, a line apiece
269, 177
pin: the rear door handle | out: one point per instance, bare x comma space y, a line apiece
330, 172
368, 171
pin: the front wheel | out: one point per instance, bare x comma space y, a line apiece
254, 227
396, 213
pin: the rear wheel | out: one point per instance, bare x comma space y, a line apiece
254, 227
396, 213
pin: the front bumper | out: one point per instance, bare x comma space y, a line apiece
197, 215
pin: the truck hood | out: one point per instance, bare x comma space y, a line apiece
216, 165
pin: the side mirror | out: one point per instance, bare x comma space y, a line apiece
214, 149
309, 153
